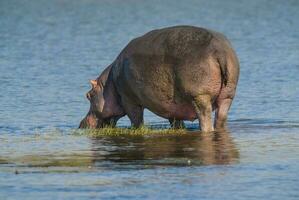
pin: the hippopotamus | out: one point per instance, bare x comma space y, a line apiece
178, 73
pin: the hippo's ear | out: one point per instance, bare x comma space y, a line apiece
93, 83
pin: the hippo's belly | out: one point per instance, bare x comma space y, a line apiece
183, 112
176, 111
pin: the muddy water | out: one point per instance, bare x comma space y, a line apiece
49, 51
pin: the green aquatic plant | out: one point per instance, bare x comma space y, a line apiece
144, 130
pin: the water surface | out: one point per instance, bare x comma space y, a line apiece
50, 49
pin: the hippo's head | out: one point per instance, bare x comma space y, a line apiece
105, 108
94, 118
96, 98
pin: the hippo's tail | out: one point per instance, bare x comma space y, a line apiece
229, 67
226, 58
221, 58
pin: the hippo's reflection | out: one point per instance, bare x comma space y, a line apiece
187, 149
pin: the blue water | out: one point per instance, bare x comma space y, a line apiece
50, 49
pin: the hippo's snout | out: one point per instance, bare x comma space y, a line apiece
90, 121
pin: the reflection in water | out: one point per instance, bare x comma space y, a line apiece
163, 150
119, 152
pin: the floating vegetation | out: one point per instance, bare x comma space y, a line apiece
109, 131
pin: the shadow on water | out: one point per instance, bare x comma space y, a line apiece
142, 151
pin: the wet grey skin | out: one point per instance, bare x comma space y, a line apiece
179, 73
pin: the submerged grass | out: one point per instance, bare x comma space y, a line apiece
110, 131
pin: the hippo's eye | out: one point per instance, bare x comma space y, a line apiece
91, 94
88, 95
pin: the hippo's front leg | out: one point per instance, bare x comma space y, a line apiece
110, 122
135, 114
176, 124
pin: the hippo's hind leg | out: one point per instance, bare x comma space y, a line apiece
176, 124
203, 107
222, 108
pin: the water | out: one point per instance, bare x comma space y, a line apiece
50, 49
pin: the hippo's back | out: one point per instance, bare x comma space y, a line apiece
177, 42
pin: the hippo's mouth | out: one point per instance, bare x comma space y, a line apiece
90, 121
